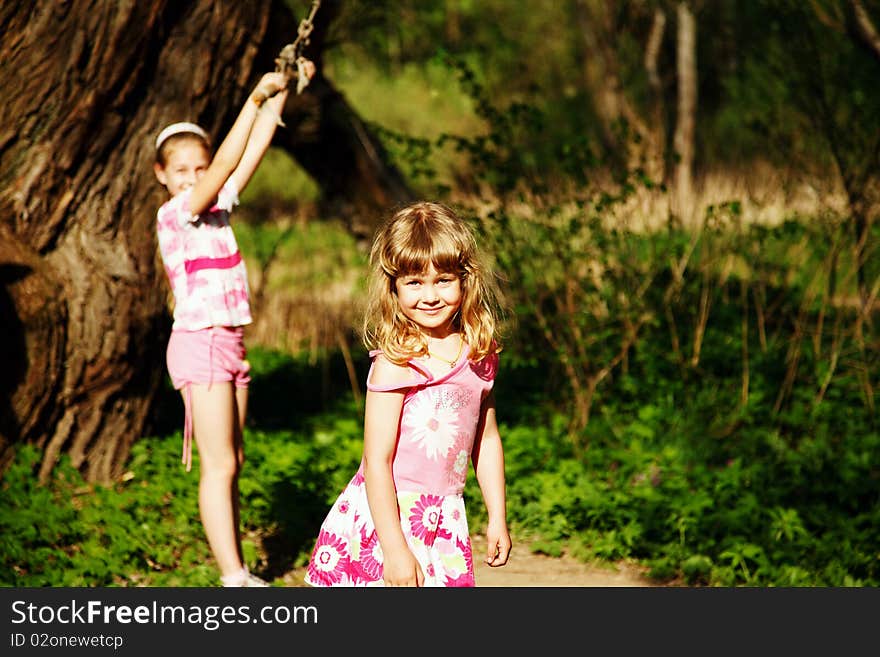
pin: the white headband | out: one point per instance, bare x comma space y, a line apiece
178, 128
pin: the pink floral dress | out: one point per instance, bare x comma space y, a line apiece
436, 436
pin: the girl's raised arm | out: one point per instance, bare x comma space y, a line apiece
230, 152
259, 140
267, 121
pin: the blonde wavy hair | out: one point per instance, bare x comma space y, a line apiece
417, 236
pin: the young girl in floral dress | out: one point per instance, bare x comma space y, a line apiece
431, 320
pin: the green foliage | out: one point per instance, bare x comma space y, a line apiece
785, 516
785, 81
784, 98
679, 466
145, 530
434, 105
724, 440
278, 182
70, 533
511, 152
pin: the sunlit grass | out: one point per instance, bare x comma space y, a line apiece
421, 101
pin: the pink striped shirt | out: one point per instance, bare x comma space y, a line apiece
203, 263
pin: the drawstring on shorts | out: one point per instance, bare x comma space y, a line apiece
186, 457
187, 428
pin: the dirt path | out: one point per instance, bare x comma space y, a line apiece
528, 569
525, 568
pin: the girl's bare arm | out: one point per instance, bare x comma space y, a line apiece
488, 458
381, 419
229, 154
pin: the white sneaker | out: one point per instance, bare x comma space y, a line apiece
253, 580
242, 578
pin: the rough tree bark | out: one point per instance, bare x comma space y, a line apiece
83, 308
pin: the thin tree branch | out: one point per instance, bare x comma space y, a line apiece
863, 29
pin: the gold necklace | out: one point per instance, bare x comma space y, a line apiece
451, 363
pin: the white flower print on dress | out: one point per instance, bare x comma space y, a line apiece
457, 460
431, 424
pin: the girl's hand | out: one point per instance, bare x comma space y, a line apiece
307, 66
402, 569
269, 85
499, 542
305, 69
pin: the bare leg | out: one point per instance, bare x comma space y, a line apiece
218, 437
241, 399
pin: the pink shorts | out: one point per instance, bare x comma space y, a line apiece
207, 356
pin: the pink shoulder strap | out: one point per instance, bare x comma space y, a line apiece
420, 376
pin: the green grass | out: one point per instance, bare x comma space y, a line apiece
145, 531
762, 506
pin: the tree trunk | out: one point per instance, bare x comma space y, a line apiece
656, 165
84, 304
84, 309
683, 141
638, 144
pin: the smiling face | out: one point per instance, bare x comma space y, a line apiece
184, 163
430, 300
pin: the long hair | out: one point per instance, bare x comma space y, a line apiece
417, 236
